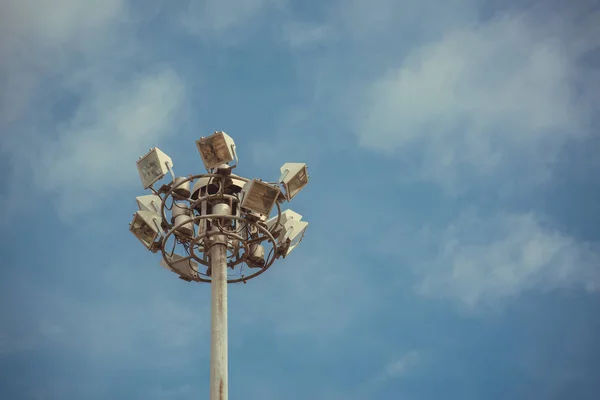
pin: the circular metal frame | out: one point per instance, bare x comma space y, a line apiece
217, 196
203, 241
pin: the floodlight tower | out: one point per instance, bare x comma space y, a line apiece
219, 230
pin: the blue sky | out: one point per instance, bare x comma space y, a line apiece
453, 249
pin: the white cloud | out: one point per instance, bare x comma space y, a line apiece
74, 115
299, 35
403, 365
490, 103
209, 18
40, 42
96, 150
393, 19
398, 368
482, 261
480, 100
59, 23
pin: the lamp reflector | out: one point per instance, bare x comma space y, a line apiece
289, 232
145, 226
294, 176
294, 232
259, 197
286, 216
184, 268
149, 202
153, 166
216, 149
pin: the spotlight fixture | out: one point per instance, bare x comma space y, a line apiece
216, 149
153, 166
146, 227
294, 176
259, 197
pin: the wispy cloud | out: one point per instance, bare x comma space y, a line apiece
482, 260
114, 124
226, 21
494, 98
400, 367
409, 120
482, 107
74, 112
301, 34
40, 44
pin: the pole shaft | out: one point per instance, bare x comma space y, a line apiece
218, 333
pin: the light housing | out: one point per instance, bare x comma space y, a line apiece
257, 255
153, 166
181, 188
259, 197
286, 217
146, 227
216, 149
294, 176
294, 233
149, 202
186, 269
290, 231
223, 209
181, 215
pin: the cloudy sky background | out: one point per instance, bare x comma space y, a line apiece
453, 251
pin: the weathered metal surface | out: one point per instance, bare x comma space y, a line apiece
218, 342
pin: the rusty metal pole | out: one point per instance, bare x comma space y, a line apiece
218, 332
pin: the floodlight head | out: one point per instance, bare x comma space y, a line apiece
153, 166
186, 269
149, 202
146, 227
259, 197
294, 176
289, 232
287, 217
293, 233
216, 149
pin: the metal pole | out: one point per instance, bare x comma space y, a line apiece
218, 332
